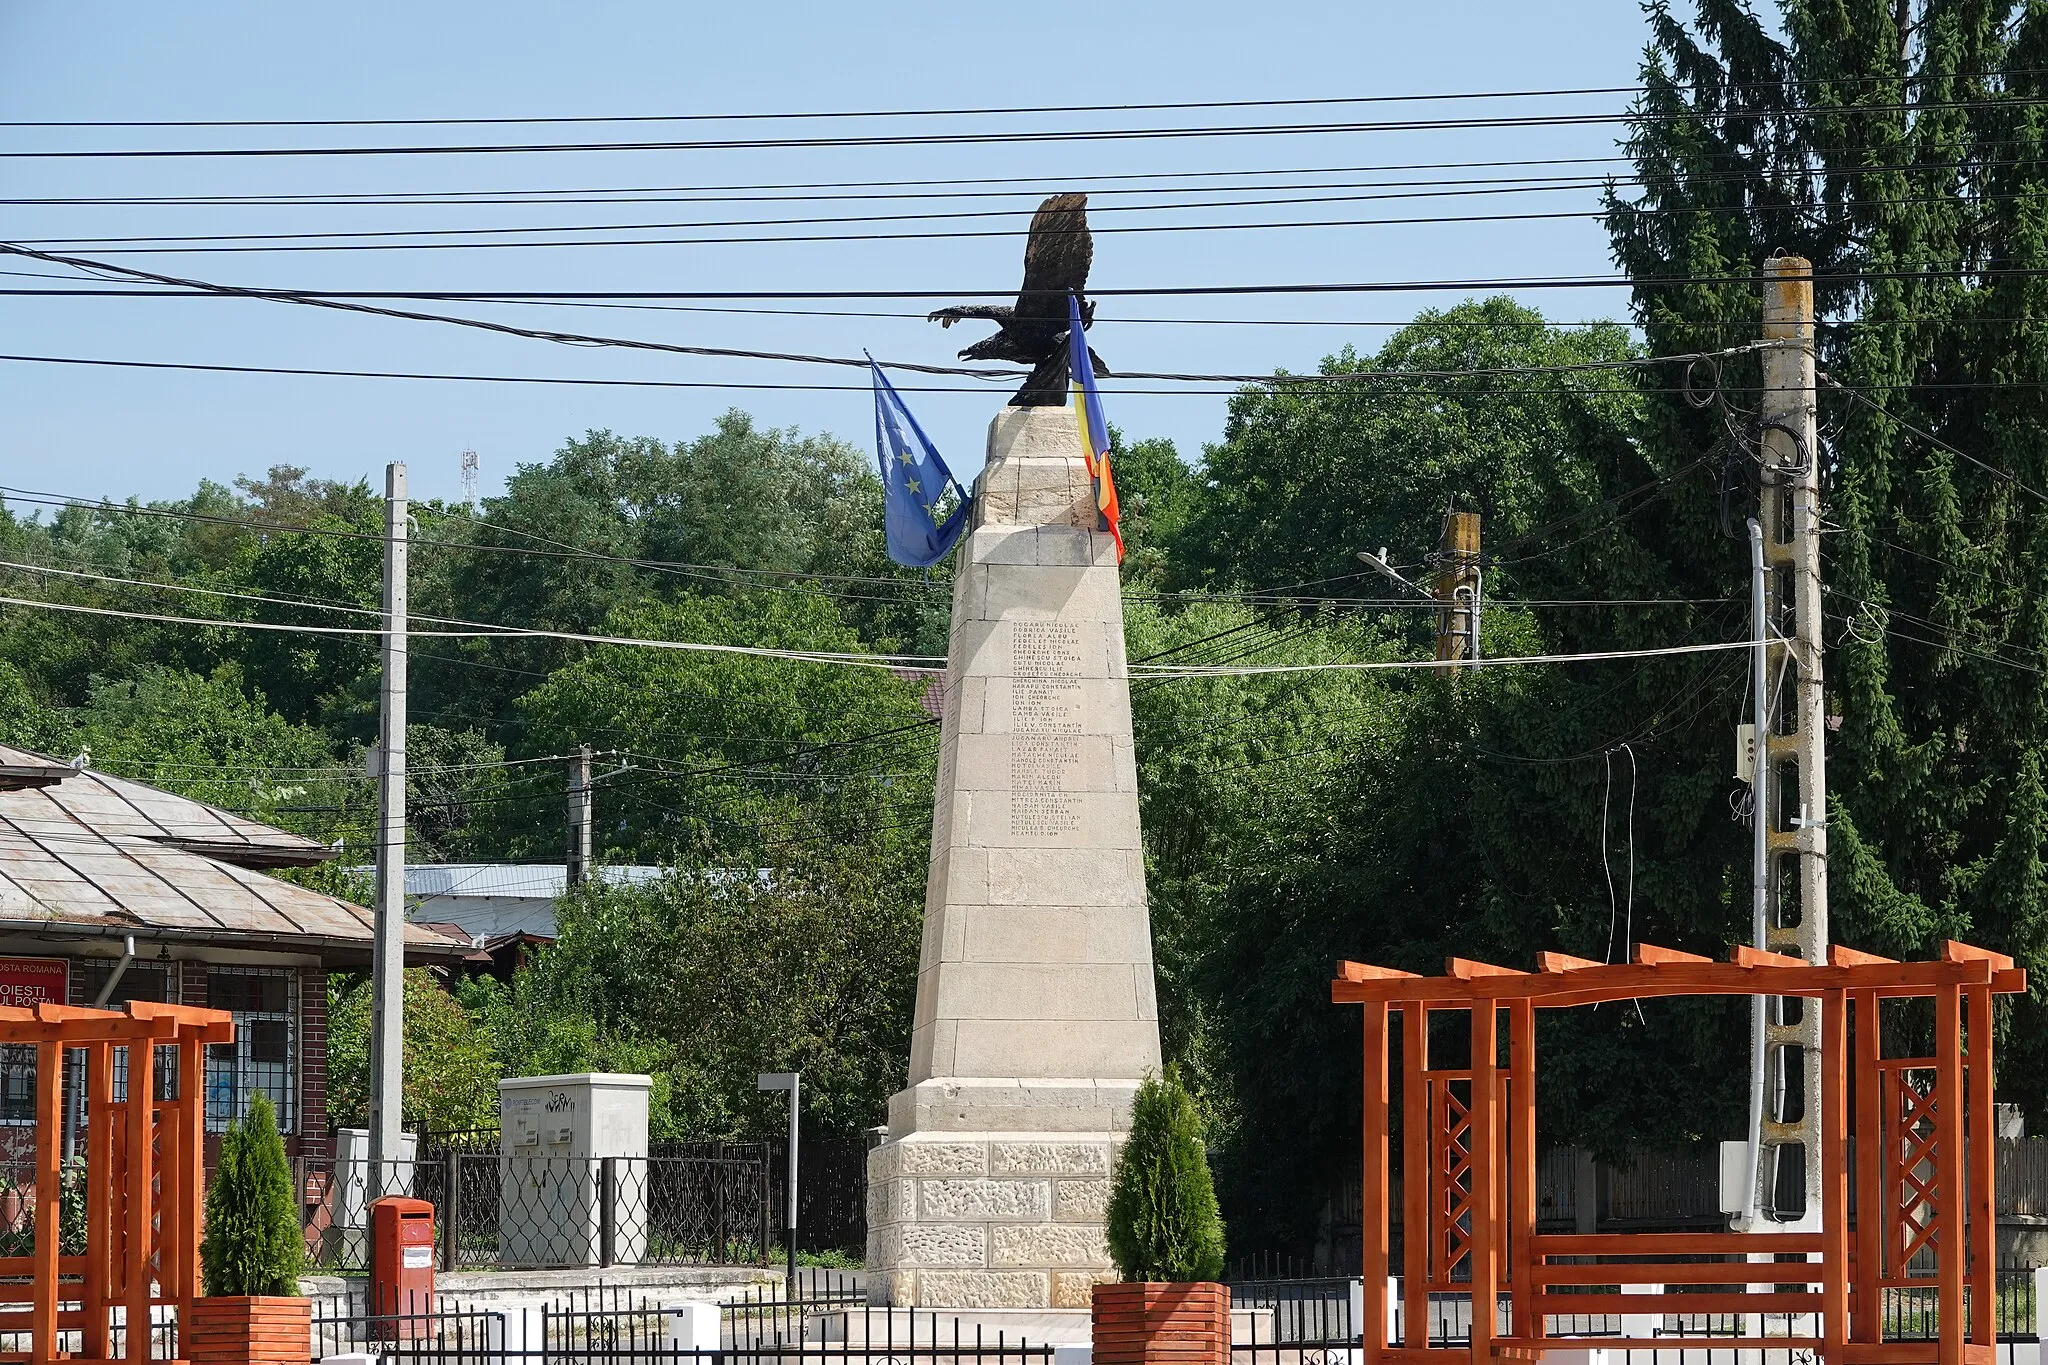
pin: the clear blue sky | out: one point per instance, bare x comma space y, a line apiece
117, 433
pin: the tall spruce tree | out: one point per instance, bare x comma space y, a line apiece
253, 1245
1899, 145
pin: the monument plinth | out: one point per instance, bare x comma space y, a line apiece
1036, 1016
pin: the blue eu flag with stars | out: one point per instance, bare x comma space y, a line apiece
923, 509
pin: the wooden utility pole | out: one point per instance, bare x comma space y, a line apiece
578, 864
1792, 777
387, 1015
1457, 588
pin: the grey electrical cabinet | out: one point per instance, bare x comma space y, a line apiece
553, 1201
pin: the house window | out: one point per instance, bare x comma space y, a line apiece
17, 1083
18, 1060
152, 984
264, 1056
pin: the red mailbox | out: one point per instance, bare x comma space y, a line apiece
401, 1268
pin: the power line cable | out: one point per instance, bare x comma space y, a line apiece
586, 339
1635, 116
400, 197
747, 386
1856, 393
894, 663
902, 663
959, 112
345, 238
1920, 271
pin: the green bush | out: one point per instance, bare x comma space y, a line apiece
253, 1244
1163, 1220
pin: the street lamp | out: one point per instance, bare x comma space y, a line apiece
787, 1080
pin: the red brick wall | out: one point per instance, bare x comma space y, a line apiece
312, 1125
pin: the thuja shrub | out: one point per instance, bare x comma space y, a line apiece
253, 1245
1163, 1221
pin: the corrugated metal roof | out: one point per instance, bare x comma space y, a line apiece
525, 881
121, 807
60, 870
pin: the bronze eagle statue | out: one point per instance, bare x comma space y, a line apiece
1056, 259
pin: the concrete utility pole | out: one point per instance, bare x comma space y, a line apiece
387, 1022
1791, 791
578, 863
1457, 588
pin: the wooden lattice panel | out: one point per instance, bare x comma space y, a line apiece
1450, 1173
1916, 1206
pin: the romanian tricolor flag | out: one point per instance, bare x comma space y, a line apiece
1094, 431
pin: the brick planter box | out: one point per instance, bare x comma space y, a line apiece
1162, 1324
241, 1330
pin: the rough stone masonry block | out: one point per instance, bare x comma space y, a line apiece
944, 1158
1049, 1158
1048, 1244
966, 1200
891, 1201
1080, 1201
943, 1244
1076, 1288
984, 1288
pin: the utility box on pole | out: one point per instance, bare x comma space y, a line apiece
357, 1185
1457, 588
574, 1181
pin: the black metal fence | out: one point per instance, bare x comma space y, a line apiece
691, 1193
163, 1338
823, 1322
1283, 1316
714, 1207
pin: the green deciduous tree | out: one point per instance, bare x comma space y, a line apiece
738, 754
450, 1074
809, 964
1404, 818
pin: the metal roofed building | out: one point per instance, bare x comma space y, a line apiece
502, 902
90, 862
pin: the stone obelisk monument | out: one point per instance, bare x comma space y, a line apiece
1036, 1016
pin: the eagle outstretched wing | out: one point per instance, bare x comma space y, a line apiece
1056, 259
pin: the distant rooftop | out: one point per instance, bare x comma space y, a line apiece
499, 902
510, 881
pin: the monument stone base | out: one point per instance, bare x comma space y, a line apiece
995, 1198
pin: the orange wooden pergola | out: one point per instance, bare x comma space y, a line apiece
142, 1174
1924, 1146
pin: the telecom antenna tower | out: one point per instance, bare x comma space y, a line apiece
469, 467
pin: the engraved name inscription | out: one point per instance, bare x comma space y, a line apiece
1039, 769
1045, 689
1039, 816
1045, 722
1045, 649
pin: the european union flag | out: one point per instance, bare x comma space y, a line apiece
923, 509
